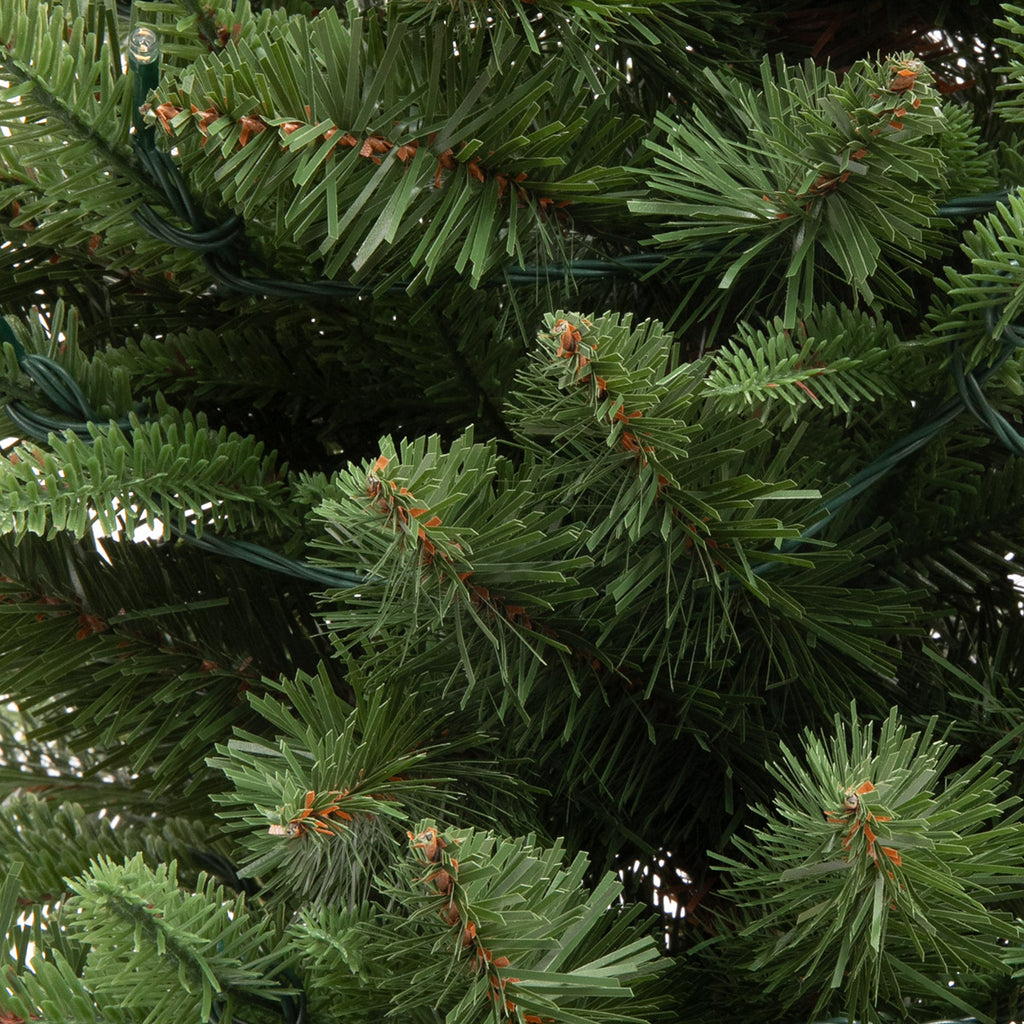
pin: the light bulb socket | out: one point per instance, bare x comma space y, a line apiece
144, 62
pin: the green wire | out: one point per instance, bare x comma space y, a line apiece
264, 558
970, 398
61, 390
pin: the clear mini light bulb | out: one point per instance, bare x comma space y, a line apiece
143, 46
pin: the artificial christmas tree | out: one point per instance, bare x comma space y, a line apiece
510, 511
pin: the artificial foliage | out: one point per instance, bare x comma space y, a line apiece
509, 510
892, 875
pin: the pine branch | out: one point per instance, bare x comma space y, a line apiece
512, 928
804, 165
55, 841
321, 810
835, 359
259, 379
204, 949
477, 138
164, 470
984, 303
158, 645
869, 864
75, 184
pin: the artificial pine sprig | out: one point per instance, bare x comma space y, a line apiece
320, 812
876, 868
518, 936
376, 164
156, 471
451, 539
442, 875
605, 398
524, 937
481, 927
1011, 106
804, 165
836, 359
210, 952
56, 840
978, 312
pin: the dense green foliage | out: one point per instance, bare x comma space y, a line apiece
572, 453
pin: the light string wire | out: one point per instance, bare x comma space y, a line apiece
969, 398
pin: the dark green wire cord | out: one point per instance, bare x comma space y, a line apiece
969, 398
